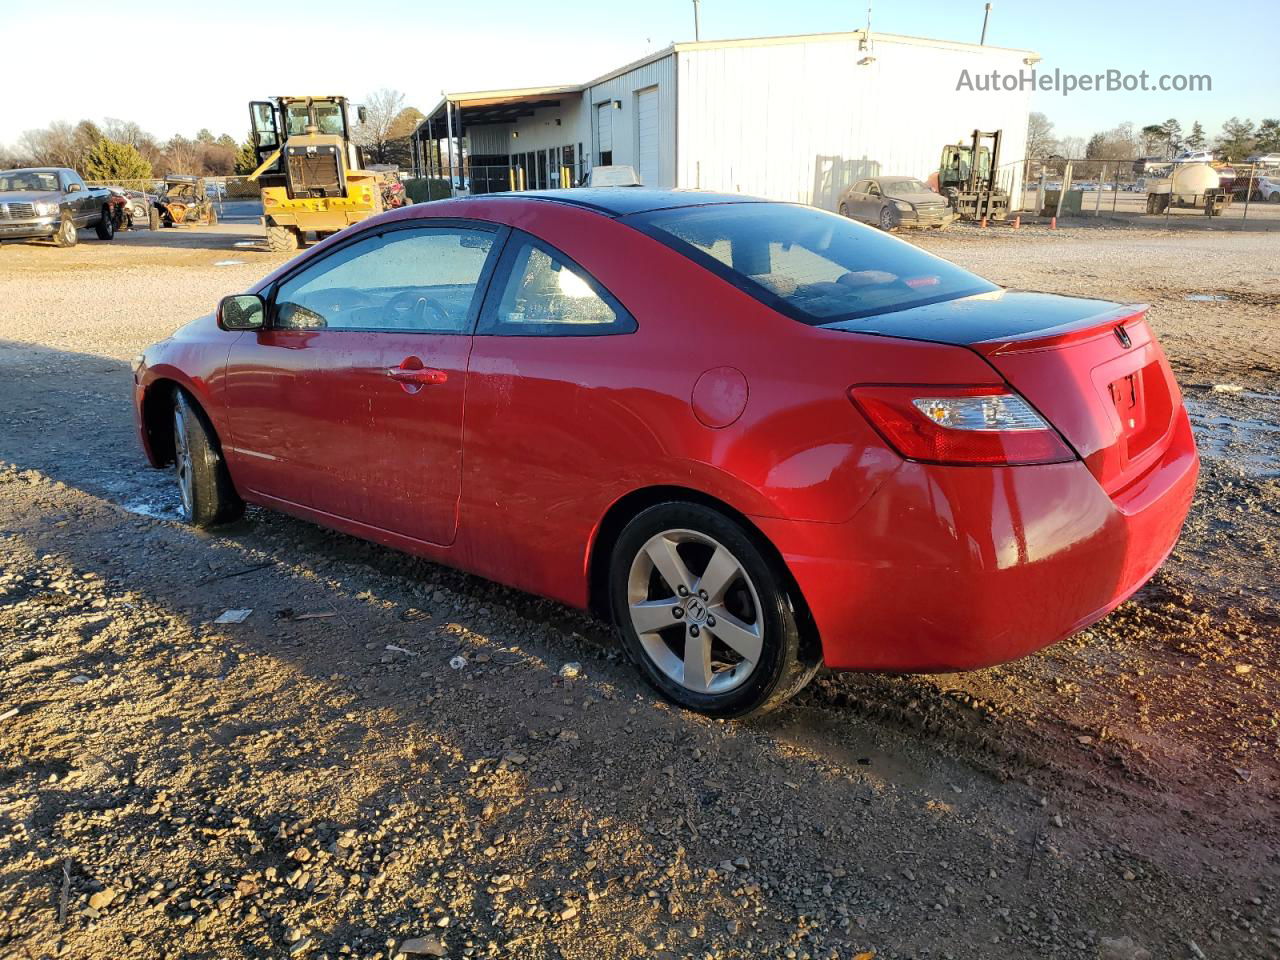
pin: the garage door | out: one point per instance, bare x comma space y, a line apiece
647, 136
604, 133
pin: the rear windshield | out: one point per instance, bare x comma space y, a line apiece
810, 265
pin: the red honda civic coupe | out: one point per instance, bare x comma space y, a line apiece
757, 436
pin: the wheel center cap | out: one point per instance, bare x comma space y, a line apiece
695, 610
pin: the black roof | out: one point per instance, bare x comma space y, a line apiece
620, 201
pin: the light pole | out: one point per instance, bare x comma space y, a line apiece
985, 17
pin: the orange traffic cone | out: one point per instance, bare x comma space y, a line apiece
1017, 222
1053, 223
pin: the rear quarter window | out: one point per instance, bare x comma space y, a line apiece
813, 266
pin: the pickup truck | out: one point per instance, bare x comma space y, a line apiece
52, 202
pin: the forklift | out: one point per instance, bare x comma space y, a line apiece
967, 178
309, 168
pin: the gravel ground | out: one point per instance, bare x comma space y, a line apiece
320, 781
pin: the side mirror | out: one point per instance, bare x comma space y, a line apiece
244, 311
73, 188
363, 114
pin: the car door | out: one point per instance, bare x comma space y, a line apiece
855, 198
871, 203
550, 348
349, 404
73, 199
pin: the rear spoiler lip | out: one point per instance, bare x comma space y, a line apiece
1075, 331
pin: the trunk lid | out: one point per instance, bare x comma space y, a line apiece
1092, 368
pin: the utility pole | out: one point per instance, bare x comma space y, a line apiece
697, 26
985, 17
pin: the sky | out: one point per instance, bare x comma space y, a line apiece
176, 72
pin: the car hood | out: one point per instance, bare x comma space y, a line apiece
27, 196
919, 198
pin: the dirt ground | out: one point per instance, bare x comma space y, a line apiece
319, 781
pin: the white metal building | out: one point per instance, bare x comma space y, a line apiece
791, 118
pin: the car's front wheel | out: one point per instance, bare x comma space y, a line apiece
705, 613
66, 236
888, 218
208, 496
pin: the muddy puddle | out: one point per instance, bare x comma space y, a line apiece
1241, 428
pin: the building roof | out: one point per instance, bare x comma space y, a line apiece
503, 106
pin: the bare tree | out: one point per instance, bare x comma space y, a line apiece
1040, 140
54, 146
382, 107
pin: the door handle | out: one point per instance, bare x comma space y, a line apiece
422, 376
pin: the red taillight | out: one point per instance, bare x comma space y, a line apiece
960, 425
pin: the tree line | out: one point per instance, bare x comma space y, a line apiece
121, 150
118, 150
1237, 140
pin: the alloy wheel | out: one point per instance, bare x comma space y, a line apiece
695, 611
182, 461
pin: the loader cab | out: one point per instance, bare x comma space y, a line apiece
313, 135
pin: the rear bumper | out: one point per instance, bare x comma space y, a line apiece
954, 568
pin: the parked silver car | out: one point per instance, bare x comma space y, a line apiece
892, 202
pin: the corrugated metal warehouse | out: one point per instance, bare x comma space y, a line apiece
791, 118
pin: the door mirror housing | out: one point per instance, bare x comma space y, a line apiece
73, 188
244, 311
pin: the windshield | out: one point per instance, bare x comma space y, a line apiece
327, 114
892, 187
28, 180
811, 265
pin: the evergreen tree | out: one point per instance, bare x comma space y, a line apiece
246, 159
115, 162
1236, 140
1268, 137
1196, 138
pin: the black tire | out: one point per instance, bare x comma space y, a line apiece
844, 210
1274, 198
153, 218
106, 225
207, 495
757, 595
66, 235
282, 239
888, 219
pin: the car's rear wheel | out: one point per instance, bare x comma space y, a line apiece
106, 227
705, 613
66, 235
844, 210
204, 485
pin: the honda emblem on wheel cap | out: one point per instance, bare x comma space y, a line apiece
1123, 336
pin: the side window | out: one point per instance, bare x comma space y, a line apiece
873, 188
545, 294
420, 279
861, 186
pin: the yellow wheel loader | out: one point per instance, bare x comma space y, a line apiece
310, 171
